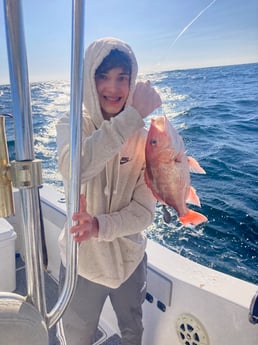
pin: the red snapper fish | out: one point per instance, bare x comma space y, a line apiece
168, 169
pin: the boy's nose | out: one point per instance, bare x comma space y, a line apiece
113, 85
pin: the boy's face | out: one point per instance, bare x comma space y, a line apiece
113, 89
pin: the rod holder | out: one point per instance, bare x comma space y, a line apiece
6, 194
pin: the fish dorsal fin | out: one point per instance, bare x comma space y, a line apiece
194, 166
192, 197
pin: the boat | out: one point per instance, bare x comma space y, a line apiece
186, 303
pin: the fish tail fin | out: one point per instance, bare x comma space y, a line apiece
194, 166
192, 217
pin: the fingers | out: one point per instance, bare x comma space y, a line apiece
145, 98
87, 226
82, 217
156, 100
83, 204
81, 231
82, 214
80, 236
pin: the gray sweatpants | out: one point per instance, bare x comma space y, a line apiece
79, 323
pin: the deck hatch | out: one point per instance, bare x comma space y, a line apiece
159, 286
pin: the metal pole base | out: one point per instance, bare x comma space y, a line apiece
20, 322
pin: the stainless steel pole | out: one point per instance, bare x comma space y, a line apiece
26, 169
75, 157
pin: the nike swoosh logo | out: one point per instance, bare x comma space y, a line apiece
124, 160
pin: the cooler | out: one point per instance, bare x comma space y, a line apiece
7, 257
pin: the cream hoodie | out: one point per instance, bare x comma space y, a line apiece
112, 168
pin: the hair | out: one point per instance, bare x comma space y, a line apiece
115, 59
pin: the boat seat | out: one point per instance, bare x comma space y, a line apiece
20, 322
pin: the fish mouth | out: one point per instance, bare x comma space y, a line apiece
159, 122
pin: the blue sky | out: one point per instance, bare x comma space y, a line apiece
164, 34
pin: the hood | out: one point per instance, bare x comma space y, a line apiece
94, 56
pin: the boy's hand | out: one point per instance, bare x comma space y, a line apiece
145, 99
87, 226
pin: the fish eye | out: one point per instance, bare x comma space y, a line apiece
153, 142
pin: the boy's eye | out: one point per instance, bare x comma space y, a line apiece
101, 76
124, 78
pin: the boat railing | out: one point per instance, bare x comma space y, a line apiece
26, 173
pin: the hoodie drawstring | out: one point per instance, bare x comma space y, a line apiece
112, 174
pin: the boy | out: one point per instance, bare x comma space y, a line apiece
115, 205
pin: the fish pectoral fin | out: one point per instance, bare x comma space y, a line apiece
194, 166
179, 157
192, 217
192, 197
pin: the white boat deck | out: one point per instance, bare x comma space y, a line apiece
51, 288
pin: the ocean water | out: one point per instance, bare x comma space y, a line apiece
216, 111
